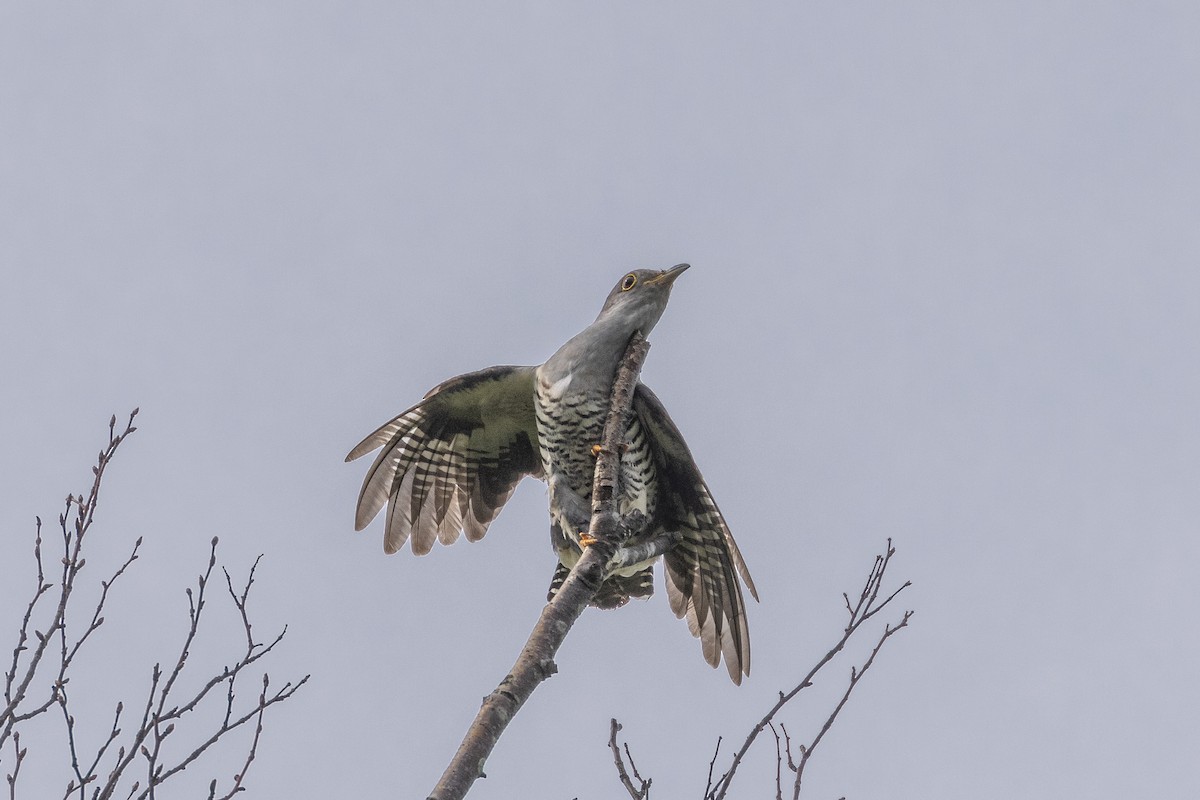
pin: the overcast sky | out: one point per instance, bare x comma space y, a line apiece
945, 289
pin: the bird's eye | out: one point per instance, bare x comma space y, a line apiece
629, 282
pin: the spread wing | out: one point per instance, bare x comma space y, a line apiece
702, 570
451, 462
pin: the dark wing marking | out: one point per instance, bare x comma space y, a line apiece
450, 462
702, 570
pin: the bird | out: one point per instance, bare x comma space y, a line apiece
448, 465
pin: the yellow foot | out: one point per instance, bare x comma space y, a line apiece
597, 449
587, 540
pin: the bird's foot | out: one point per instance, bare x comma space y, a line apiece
598, 449
586, 539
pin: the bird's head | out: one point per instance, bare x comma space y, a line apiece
640, 297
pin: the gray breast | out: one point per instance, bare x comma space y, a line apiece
570, 424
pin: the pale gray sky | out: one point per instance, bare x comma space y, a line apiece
945, 289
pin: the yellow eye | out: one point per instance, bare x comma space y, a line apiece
629, 282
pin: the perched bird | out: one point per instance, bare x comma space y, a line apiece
450, 462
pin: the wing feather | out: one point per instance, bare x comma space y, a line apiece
702, 571
449, 463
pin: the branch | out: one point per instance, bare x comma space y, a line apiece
19, 756
642, 790
21, 674
536, 660
628, 555
866, 606
783, 747
163, 712
61, 633
855, 676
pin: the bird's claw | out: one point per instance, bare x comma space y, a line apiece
586, 539
598, 449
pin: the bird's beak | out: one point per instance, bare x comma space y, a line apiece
668, 276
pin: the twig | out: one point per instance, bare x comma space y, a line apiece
536, 660
855, 676
787, 747
712, 763
20, 675
160, 718
240, 776
639, 792
866, 606
13, 696
19, 756
162, 711
778, 763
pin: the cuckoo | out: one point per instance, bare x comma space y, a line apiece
449, 463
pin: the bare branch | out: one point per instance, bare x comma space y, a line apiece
21, 674
778, 763
162, 711
160, 722
98, 614
712, 763
642, 790
536, 660
856, 675
14, 694
18, 757
868, 602
866, 606
240, 776
787, 747
264, 702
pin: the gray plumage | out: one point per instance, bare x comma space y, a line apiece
449, 463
